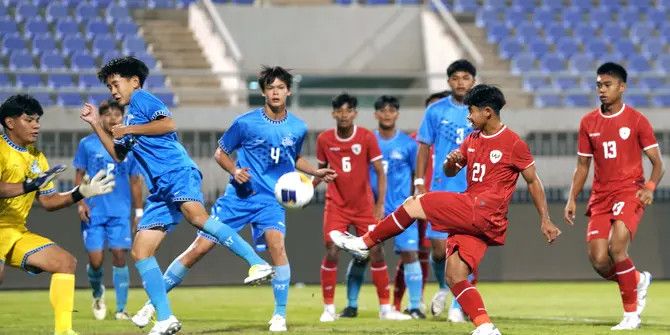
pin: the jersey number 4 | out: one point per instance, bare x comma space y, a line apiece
478, 172
610, 149
275, 154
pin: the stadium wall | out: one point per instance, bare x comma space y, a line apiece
525, 256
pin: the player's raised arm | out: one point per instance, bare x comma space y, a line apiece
646, 194
118, 151
159, 126
536, 190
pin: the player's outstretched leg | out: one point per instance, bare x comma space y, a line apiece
355, 277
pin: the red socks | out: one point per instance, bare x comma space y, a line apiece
328, 281
380, 277
471, 302
388, 227
398, 285
627, 278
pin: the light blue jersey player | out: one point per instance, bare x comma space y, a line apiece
267, 141
105, 220
172, 177
445, 126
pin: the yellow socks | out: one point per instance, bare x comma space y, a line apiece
61, 295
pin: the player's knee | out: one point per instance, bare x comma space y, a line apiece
276, 248
618, 251
65, 263
454, 277
119, 259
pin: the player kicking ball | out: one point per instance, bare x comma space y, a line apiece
494, 156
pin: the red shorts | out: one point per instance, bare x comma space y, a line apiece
604, 209
471, 249
335, 218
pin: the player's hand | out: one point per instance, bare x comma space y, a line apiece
646, 196
101, 183
420, 189
325, 175
549, 230
379, 211
89, 113
119, 131
454, 157
44, 178
569, 212
242, 175
84, 212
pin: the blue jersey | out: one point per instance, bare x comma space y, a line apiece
92, 157
445, 125
268, 148
159, 154
399, 162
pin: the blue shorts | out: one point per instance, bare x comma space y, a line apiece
109, 231
168, 193
435, 235
408, 240
237, 213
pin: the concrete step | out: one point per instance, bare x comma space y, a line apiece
182, 63
195, 81
177, 15
176, 46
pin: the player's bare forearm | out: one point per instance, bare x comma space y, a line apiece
579, 176
136, 191
158, 126
78, 176
381, 183
317, 180
10, 190
224, 161
305, 166
536, 191
422, 160
657, 165
56, 201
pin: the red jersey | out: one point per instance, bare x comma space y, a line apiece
614, 141
350, 158
493, 166
428, 176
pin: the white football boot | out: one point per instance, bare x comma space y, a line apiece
144, 315
642, 288
486, 329
277, 323
329, 314
439, 301
630, 321
169, 326
99, 307
350, 243
259, 273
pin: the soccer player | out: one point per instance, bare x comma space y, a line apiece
268, 141
613, 136
477, 218
24, 176
424, 243
173, 179
105, 220
349, 150
444, 126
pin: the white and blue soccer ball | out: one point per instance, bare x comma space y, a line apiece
294, 190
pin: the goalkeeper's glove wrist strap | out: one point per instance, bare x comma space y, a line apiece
76, 195
29, 186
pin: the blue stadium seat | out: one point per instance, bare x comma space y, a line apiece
567, 46
526, 5
552, 63
581, 63
533, 83
73, 43
625, 48
643, 4
148, 59
3, 11
641, 31
613, 31
494, 3
131, 4
41, 3
56, 11
11, 43
583, 32
8, 26
155, 81
578, 100
377, 2
652, 82
186, 3
523, 63
167, 98
596, 48
486, 17
52, 61
538, 48
657, 17
59, 80
638, 64
26, 10
509, 47
36, 26
555, 31
67, 27
70, 99
86, 11
160, 3
117, 12
96, 27
125, 28
629, 15
133, 44
83, 61
638, 100
103, 44
548, 100
21, 60
566, 82
543, 16
526, 32
43, 43
661, 100
88, 80
98, 98
5, 81
29, 80
571, 16
599, 16
465, 6
652, 47
44, 98
109, 55
663, 63
515, 16
496, 32
102, 3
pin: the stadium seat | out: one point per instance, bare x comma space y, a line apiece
567, 47
70, 99
523, 63
133, 44
526, 32
96, 27
624, 47
583, 32
44, 98
8, 26
377, 2
103, 44
52, 61
663, 63
98, 98
538, 48
661, 100
548, 100
5, 81
509, 48
160, 4
21, 60
578, 100
563, 83
102, 3
167, 98
613, 31
556, 31
86, 11
496, 32
637, 63
494, 3
117, 12
43, 44
36, 26
526, 5
514, 16
56, 11
580, 63
125, 28
73, 43
629, 15
486, 17
41, 3
571, 16
83, 61
652, 47
657, 17
67, 27
155, 81
641, 31
600, 16
552, 63
88, 81
3, 11
109, 55
638, 100
11, 43
29, 80
533, 83
60, 80
186, 3
652, 82
131, 4
148, 59
596, 48
26, 10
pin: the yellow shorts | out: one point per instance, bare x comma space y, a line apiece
16, 244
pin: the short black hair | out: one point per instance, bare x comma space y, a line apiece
436, 95
344, 98
614, 70
269, 74
19, 104
385, 100
485, 96
109, 104
461, 65
126, 67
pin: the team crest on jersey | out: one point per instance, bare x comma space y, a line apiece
287, 141
495, 156
395, 154
624, 132
356, 149
35, 168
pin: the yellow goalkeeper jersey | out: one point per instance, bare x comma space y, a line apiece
16, 164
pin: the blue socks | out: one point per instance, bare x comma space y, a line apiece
413, 281
95, 278
152, 279
174, 274
231, 239
438, 270
280, 284
121, 278
355, 277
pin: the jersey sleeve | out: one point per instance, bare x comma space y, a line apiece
232, 138
320, 150
583, 144
374, 153
44, 166
80, 157
645, 134
426, 133
152, 108
521, 156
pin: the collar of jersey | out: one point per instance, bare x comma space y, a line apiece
496, 134
271, 120
600, 110
397, 132
12, 144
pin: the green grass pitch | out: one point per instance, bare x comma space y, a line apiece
516, 308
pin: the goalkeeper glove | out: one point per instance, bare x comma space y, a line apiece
101, 183
34, 184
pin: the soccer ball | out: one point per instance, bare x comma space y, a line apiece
294, 190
